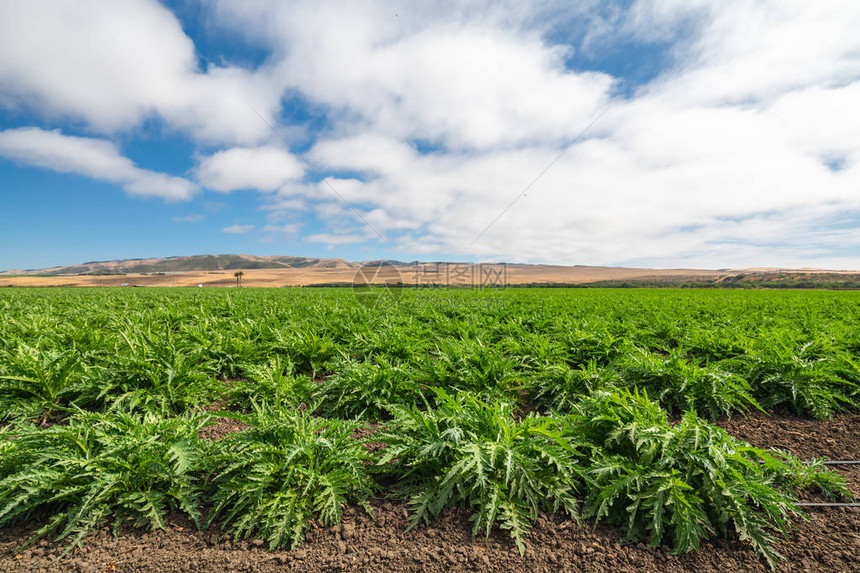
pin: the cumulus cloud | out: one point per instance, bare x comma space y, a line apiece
285, 232
238, 229
456, 79
112, 65
190, 218
261, 168
755, 52
333, 240
283, 205
90, 157
743, 150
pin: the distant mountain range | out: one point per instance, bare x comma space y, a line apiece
279, 271
199, 263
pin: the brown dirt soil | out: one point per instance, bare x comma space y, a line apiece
836, 439
220, 428
829, 541
366, 432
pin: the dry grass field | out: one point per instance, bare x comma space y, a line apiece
422, 274
283, 271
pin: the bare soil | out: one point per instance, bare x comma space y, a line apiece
836, 439
220, 428
829, 541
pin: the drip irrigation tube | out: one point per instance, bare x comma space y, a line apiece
830, 462
811, 504
833, 504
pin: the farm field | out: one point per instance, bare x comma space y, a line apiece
342, 272
523, 429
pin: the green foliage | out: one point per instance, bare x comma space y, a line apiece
531, 352
583, 358
226, 345
792, 472
129, 468
679, 385
804, 376
591, 343
559, 388
287, 468
151, 371
714, 338
36, 382
308, 349
475, 453
271, 383
366, 390
473, 366
683, 482
387, 341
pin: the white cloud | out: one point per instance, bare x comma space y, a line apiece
744, 151
238, 229
334, 240
280, 232
721, 161
261, 168
748, 52
90, 157
280, 205
292, 228
190, 218
114, 64
285, 208
463, 78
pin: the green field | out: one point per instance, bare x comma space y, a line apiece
507, 402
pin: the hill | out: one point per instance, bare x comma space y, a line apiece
279, 271
187, 264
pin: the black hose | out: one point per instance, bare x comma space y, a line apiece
828, 462
810, 504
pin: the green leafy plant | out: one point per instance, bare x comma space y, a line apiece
270, 383
530, 351
129, 468
559, 388
226, 344
385, 341
473, 366
286, 469
469, 452
680, 385
496, 352
596, 344
792, 472
366, 390
307, 348
36, 382
683, 482
152, 371
804, 377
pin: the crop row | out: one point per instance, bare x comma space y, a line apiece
714, 352
510, 403
613, 457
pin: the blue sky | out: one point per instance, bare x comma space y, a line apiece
147, 129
